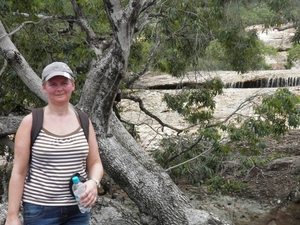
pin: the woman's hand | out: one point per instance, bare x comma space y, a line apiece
13, 220
89, 197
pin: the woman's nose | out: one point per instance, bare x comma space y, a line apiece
59, 88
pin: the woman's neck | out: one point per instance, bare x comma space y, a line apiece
57, 110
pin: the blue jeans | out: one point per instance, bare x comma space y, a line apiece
54, 215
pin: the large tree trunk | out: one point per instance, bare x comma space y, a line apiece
157, 197
159, 200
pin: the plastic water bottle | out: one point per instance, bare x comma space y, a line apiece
78, 189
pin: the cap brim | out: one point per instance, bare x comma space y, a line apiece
57, 73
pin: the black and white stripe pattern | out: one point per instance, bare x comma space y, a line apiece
54, 160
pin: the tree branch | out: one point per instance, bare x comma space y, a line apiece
158, 42
98, 44
20, 27
189, 160
147, 9
9, 125
20, 65
145, 69
141, 105
243, 105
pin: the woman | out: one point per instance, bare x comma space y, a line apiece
60, 150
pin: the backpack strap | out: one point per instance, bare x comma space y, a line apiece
37, 123
85, 122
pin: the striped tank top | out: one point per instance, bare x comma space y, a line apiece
55, 159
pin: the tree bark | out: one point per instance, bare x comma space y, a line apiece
9, 124
157, 197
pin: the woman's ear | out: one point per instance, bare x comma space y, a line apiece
43, 88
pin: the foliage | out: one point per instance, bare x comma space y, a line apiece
294, 52
231, 48
223, 185
192, 27
190, 102
188, 35
176, 150
139, 53
217, 56
286, 11
243, 143
293, 56
242, 49
274, 116
180, 36
256, 13
54, 40
12, 92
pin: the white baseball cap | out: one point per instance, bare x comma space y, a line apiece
56, 69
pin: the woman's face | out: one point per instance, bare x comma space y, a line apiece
59, 89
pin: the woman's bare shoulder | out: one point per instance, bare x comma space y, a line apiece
26, 123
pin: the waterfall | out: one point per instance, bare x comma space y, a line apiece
266, 83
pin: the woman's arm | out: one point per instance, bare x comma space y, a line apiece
20, 169
95, 169
94, 164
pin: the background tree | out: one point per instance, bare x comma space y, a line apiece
100, 41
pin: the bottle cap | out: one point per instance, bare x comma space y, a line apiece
75, 180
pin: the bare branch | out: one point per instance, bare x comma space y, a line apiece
96, 43
158, 42
21, 26
147, 9
82, 21
189, 160
141, 105
170, 159
243, 105
145, 69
